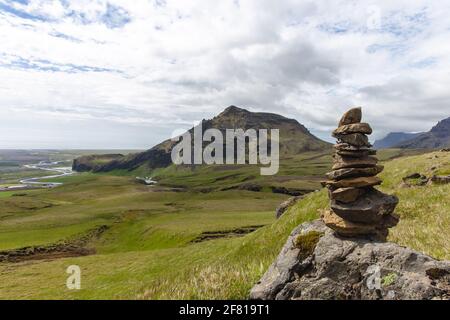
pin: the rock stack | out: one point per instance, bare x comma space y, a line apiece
357, 208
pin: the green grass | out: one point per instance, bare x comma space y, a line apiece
75, 178
147, 253
13, 177
298, 172
39, 236
389, 154
6, 194
424, 210
303, 171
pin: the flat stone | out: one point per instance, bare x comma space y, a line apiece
349, 147
363, 128
345, 149
347, 228
354, 172
355, 139
356, 154
353, 115
341, 162
346, 195
359, 182
353, 154
368, 209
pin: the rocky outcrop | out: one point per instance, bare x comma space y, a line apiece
316, 263
282, 208
94, 162
417, 179
414, 179
357, 208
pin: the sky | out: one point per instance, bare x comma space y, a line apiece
103, 74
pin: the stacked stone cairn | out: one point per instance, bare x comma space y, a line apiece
357, 208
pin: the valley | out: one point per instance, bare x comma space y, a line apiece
179, 239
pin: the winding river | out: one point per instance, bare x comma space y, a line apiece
46, 166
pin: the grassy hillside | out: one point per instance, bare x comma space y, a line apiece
302, 172
150, 251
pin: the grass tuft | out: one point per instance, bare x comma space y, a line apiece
307, 243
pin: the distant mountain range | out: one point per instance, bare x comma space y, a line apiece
294, 139
393, 139
437, 137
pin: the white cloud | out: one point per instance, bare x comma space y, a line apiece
137, 64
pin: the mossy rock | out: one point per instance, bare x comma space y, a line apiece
307, 243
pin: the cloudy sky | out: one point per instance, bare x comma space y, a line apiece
126, 74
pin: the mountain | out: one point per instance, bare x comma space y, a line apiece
437, 137
393, 139
294, 139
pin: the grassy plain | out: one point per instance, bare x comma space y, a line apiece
149, 253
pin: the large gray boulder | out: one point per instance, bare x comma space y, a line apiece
317, 264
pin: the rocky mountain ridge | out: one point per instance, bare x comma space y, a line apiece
393, 139
437, 137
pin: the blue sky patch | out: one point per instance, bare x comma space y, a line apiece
64, 36
405, 26
424, 63
19, 13
115, 17
336, 28
24, 2
394, 49
47, 66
